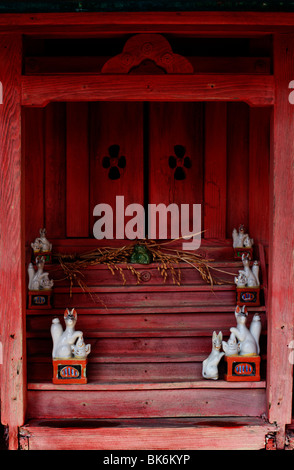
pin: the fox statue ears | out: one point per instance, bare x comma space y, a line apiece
216, 336
71, 313
241, 310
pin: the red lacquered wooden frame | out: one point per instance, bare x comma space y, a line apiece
255, 90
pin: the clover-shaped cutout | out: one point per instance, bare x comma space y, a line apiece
114, 162
179, 162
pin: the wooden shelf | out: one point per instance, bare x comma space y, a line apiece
154, 385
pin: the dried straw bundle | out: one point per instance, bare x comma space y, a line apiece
168, 260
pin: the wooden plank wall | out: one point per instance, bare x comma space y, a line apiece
65, 144
150, 341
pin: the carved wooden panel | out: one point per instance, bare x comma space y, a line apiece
148, 47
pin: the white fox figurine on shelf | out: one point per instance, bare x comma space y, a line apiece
255, 270
80, 349
231, 347
248, 338
41, 243
241, 239
248, 277
64, 340
39, 280
210, 364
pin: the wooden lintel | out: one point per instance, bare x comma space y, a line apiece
254, 90
93, 64
203, 18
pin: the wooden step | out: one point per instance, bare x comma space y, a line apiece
158, 399
150, 275
193, 433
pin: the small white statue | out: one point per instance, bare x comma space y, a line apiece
247, 241
248, 339
255, 329
248, 277
241, 239
38, 280
231, 347
80, 349
64, 340
255, 270
210, 364
41, 243
241, 280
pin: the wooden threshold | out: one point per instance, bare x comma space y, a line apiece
241, 433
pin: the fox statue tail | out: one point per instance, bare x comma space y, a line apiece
56, 332
255, 329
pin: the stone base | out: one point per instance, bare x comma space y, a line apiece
242, 368
249, 296
69, 371
40, 299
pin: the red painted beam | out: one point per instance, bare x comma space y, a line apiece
256, 90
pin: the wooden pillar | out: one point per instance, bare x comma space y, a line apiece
12, 274
281, 250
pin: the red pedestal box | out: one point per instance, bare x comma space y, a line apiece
249, 296
238, 252
47, 255
69, 371
242, 368
40, 299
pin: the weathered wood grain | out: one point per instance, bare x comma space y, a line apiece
238, 166
156, 433
55, 168
77, 170
215, 178
33, 141
79, 64
118, 124
172, 125
281, 266
259, 160
145, 403
12, 288
252, 21
256, 90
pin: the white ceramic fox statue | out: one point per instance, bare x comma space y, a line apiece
63, 340
248, 277
39, 280
231, 347
41, 243
210, 364
248, 338
251, 279
241, 239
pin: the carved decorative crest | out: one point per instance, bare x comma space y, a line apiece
148, 47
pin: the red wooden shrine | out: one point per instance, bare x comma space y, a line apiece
213, 87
